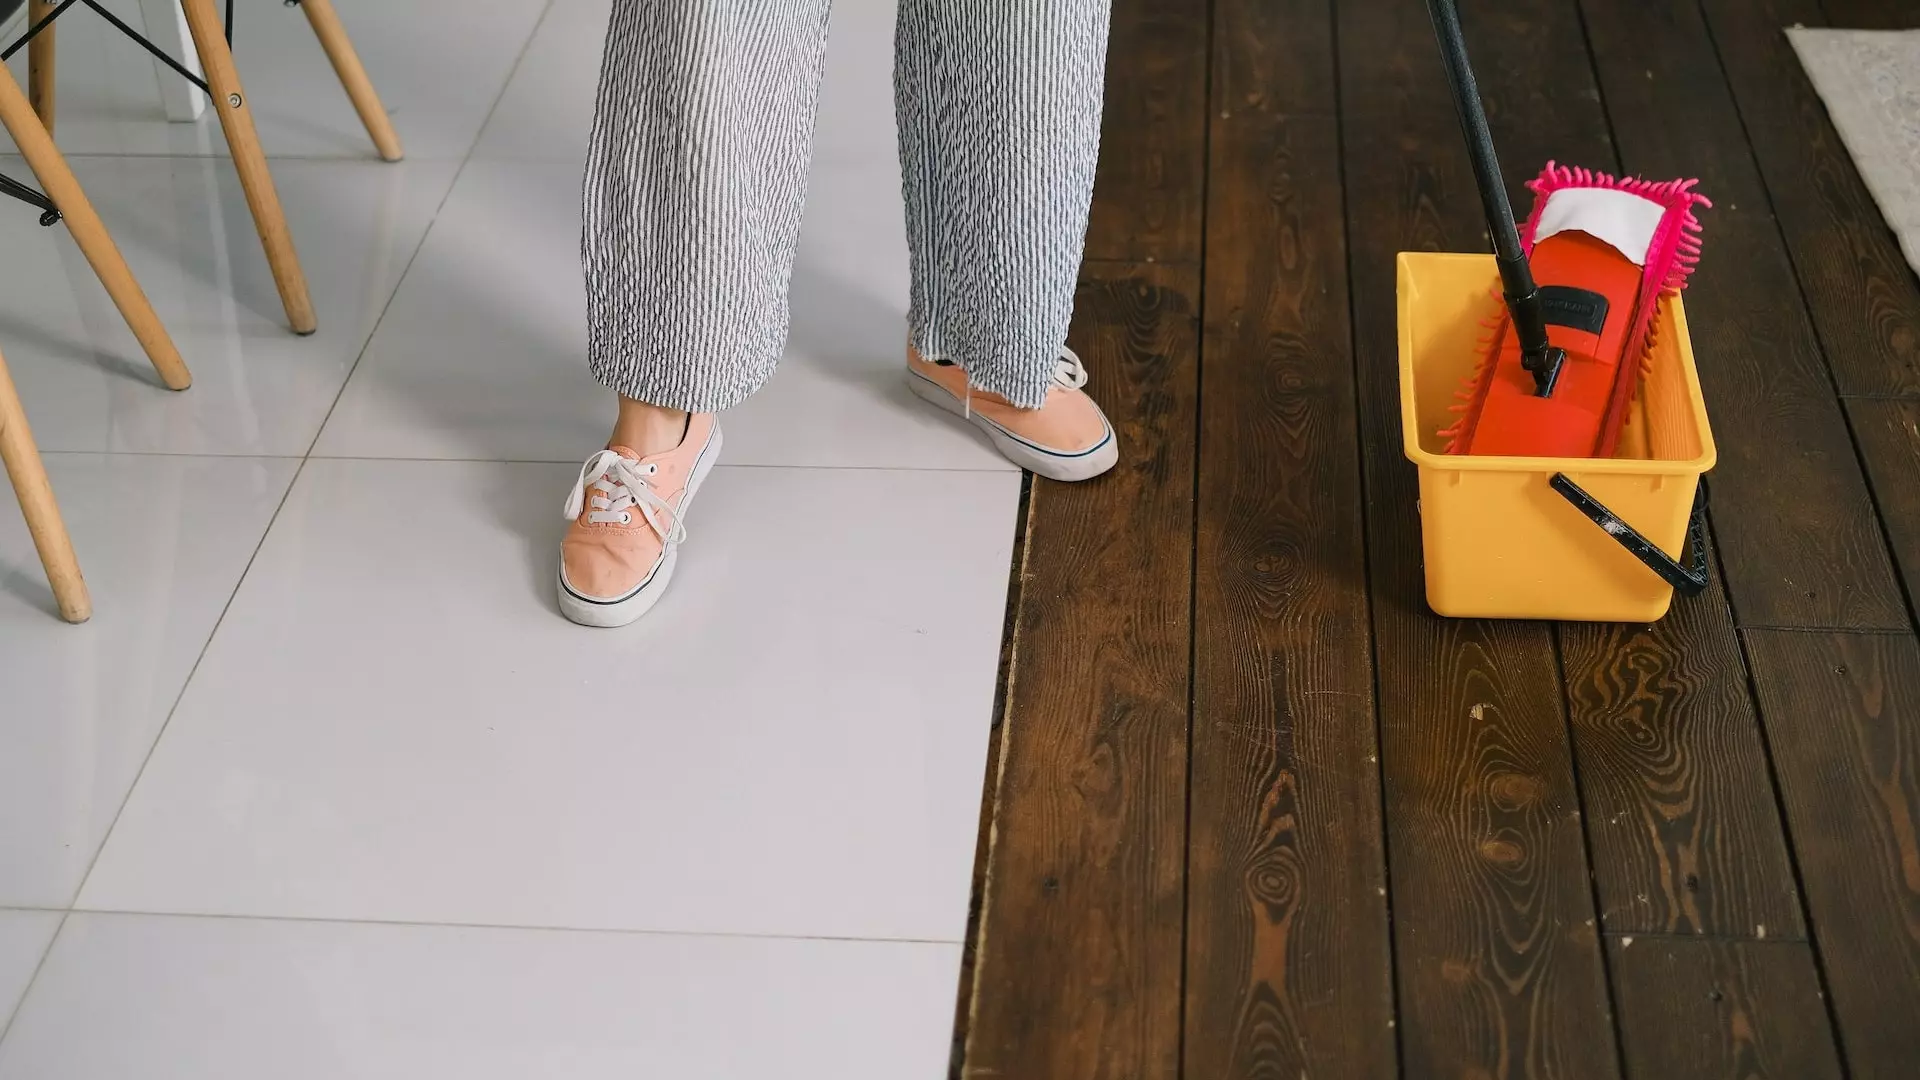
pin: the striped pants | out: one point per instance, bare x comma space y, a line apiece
697, 173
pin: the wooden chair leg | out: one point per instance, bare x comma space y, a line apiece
89, 232
29, 476
353, 77
40, 63
236, 119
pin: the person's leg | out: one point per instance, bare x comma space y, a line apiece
999, 107
696, 175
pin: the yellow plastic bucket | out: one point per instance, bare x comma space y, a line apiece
1500, 540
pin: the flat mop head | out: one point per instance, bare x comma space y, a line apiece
1604, 252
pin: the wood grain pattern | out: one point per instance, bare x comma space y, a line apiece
1645, 705
42, 63
250, 161
1873, 14
1888, 434
1705, 1010
1864, 298
1679, 836
1797, 536
1288, 963
90, 233
1500, 969
353, 78
27, 474
1152, 179
1079, 968
1499, 962
990, 781
1680, 816
1842, 713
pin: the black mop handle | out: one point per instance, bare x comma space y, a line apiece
1516, 277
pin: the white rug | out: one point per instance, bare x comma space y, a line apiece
1870, 81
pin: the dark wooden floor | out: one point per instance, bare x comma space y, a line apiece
1256, 812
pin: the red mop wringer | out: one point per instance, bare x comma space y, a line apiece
1560, 442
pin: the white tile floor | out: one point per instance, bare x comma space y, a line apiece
23, 941
327, 788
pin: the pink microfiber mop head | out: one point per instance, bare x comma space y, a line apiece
1604, 252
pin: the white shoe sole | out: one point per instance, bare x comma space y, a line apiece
629, 608
1065, 467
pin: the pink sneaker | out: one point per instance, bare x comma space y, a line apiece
1066, 438
627, 511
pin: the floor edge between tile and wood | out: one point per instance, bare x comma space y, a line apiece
1080, 926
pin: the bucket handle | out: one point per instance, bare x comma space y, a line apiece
1688, 580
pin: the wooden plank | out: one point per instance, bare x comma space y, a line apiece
1288, 964
1797, 534
1864, 298
989, 784
1743, 1010
43, 69
1873, 14
1500, 971
1681, 838
1079, 963
1842, 713
1681, 684
1888, 433
1681, 821
1151, 182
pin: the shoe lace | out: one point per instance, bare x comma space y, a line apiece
615, 487
1069, 373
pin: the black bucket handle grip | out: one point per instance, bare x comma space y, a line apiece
1690, 580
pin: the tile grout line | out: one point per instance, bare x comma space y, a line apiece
185, 685
625, 931
285, 495
301, 460
216, 154
426, 235
6, 1025
962, 469
26, 991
